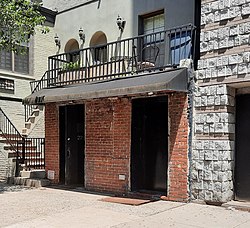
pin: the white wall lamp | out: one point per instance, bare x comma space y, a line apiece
57, 41
120, 23
81, 34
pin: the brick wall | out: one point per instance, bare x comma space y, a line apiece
108, 136
52, 139
108, 144
178, 154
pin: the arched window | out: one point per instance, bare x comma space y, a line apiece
98, 44
72, 50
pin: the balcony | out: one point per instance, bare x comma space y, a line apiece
145, 54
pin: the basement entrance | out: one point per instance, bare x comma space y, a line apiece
149, 151
242, 153
72, 145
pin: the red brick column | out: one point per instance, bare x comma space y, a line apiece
107, 154
178, 150
52, 139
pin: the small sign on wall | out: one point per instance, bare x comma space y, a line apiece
51, 174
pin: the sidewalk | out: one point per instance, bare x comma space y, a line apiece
46, 207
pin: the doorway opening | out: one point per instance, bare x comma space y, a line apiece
71, 138
242, 153
149, 146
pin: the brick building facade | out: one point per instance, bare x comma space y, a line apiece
117, 117
108, 144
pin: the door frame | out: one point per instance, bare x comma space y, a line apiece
63, 124
166, 96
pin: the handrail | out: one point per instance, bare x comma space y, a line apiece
32, 149
39, 84
12, 135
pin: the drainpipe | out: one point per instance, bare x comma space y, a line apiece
188, 63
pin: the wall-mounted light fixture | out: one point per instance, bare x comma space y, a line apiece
81, 35
120, 23
57, 41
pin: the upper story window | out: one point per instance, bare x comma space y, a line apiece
152, 49
18, 63
153, 24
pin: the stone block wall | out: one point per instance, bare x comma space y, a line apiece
224, 39
225, 59
213, 145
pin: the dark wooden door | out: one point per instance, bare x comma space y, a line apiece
72, 144
242, 153
149, 144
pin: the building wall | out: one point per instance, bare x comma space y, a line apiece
108, 139
97, 16
14, 108
178, 150
52, 139
225, 61
108, 144
43, 47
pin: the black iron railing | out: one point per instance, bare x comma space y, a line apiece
29, 151
40, 84
28, 111
34, 153
12, 136
145, 53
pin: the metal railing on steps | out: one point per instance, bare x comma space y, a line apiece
28, 151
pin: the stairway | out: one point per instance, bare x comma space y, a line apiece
32, 115
34, 156
33, 178
16, 149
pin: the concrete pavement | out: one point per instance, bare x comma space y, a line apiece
47, 207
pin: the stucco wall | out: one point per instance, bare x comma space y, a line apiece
102, 15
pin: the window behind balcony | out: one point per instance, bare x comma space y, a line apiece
152, 49
18, 63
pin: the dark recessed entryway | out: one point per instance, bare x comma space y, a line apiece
242, 153
149, 150
72, 145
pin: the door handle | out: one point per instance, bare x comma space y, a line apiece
68, 153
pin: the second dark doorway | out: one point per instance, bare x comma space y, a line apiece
149, 151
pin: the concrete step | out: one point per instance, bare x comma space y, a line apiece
29, 182
27, 125
31, 119
34, 174
35, 112
237, 205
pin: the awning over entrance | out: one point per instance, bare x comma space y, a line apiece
172, 80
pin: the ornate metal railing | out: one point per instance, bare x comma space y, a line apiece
145, 53
29, 151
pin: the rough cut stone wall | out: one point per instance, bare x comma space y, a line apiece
225, 58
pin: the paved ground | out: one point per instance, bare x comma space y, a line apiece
47, 207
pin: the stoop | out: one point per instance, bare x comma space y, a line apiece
32, 178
